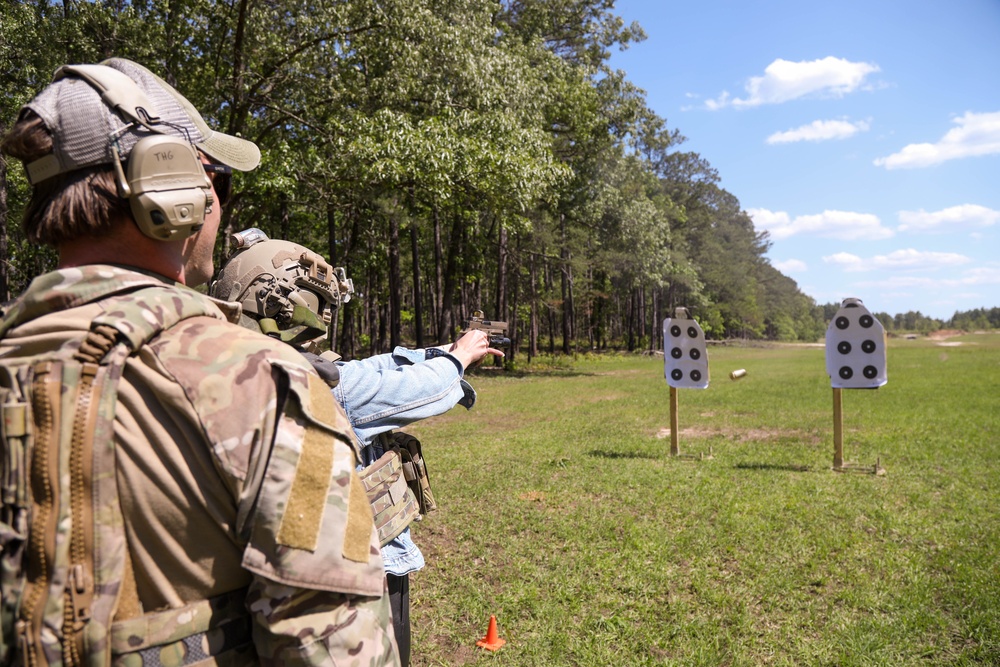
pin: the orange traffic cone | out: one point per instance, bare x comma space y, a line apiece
492, 640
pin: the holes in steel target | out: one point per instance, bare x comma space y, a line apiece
677, 374
675, 331
842, 322
866, 321
846, 373
692, 332
870, 372
695, 354
696, 375
868, 346
844, 347
676, 353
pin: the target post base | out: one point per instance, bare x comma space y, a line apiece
876, 469
675, 447
700, 456
838, 442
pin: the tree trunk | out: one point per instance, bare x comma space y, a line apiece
450, 283
331, 234
237, 120
348, 344
591, 315
395, 282
514, 299
501, 291
371, 311
331, 246
551, 310
439, 334
567, 289
4, 238
284, 218
630, 321
653, 298
642, 311
418, 302
533, 317
383, 329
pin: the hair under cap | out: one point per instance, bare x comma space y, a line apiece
83, 121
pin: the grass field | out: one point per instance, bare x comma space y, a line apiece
563, 514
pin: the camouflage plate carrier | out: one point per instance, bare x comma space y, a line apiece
66, 575
398, 486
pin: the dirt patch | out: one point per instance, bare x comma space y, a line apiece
628, 371
687, 433
942, 334
738, 435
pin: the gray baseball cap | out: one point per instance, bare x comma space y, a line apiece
87, 108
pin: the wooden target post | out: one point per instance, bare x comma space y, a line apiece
675, 448
838, 428
855, 359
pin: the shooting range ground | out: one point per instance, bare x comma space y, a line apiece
562, 514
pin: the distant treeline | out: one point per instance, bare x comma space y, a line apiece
454, 156
978, 319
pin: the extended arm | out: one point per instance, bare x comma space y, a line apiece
391, 396
389, 391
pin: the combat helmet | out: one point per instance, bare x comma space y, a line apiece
285, 289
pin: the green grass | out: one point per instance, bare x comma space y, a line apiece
562, 513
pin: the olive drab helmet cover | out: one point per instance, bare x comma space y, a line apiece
287, 289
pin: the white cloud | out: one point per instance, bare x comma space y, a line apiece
948, 219
898, 260
718, 103
984, 275
843, 225
971, 278
975, 134
774, 222
845, 259
790, 266
906, 282
820, 130
784, 80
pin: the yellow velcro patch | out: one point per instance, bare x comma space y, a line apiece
360, 523
321, 404
303, 516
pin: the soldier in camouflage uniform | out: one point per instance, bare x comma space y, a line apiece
290, 292
215, 515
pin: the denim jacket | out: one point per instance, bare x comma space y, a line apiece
389, 391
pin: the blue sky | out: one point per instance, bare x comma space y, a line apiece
863, 135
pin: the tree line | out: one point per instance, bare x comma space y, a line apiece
452, 155
977, 319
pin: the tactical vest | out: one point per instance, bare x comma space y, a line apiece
398, 486
68, 592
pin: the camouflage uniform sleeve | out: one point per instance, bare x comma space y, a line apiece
320, 628
318, 595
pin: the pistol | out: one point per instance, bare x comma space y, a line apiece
497, 331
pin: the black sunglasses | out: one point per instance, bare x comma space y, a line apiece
222, 180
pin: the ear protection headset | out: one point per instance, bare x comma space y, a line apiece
165, 182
